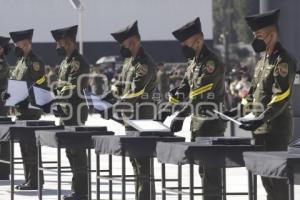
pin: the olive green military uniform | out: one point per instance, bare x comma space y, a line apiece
136, 86
271, 93
163, 84
203, 86
70, 86
30, 69
4, 75
4, 146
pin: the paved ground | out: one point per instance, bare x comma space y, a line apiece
236, 178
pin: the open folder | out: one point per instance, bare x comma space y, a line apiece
42, 96
93, 101
228, 118
18, 91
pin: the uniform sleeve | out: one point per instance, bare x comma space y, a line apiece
117, 87
143, 75
180, 94
4, 71
212, 74
284, 74
37, 73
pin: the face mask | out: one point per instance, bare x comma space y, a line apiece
259, 45
188, 52
61, 51
125, 52
7, 49
18, 52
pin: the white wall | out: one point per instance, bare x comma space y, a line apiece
157, 18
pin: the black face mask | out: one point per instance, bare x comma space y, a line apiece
258, 45
7, 49
125, 52
188, 52
61, 51
19, 52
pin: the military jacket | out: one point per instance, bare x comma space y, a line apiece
271, 90
137, 84
72, 80
203, 87
4, 74
32, 70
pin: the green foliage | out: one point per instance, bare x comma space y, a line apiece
229, 20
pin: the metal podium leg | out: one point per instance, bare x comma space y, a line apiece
291, 187
254, 186
179, 181
58, 173
98, 174
163, 181
12, 168
191, 181
123, 178
110, 184
89, 174
250, 186
40, 188
224, 190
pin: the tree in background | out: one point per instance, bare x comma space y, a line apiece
230, 27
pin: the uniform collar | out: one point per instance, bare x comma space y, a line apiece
204, 52
29, 56
277, 51
140, 56
74, 54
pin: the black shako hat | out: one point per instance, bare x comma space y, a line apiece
67, 32
188, 30
129, 31
21, 35
259, 21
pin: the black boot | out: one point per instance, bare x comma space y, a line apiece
26, 186
74, 196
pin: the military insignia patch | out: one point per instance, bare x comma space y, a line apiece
36, 66
75, 65
142, 70
210, 66
283, 69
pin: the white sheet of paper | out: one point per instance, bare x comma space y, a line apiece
17, 90
33, 107
96, 101
228, 118
42, 96
149, 125
100, 105
250, 116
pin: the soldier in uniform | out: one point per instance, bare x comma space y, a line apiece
201, 90
135, 87
269, 98
4, 75
72, 106
30, 68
